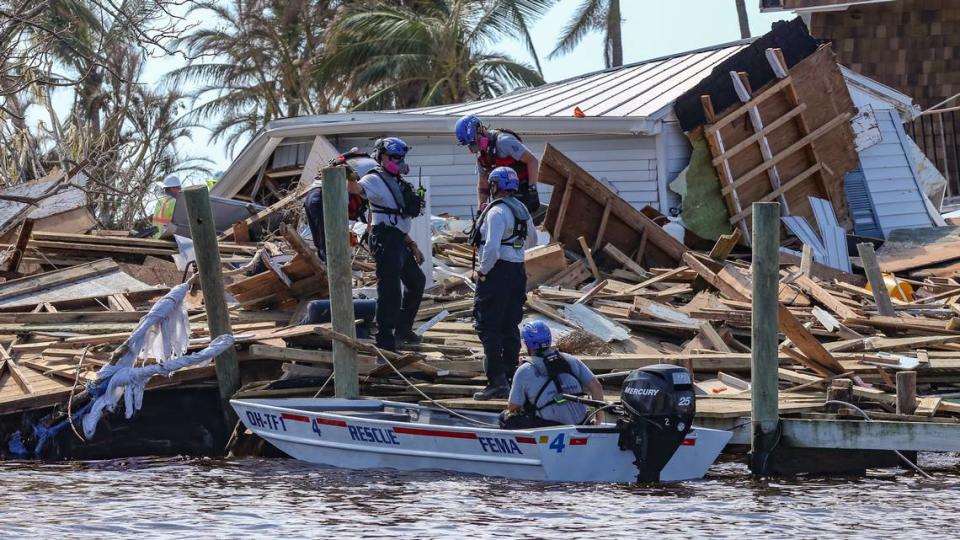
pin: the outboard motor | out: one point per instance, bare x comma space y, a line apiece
659, 405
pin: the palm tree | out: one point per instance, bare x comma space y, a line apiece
591, 16
430, 52
744, 20
258, 62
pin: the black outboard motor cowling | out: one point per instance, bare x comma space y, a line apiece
659, 405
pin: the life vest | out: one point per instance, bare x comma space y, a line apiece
555, 364
489, 160
520, 216
409, 201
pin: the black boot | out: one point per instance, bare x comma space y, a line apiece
495, 389
408, 337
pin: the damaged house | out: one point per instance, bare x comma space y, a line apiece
626, 126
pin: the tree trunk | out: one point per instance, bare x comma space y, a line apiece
744, 20
614, 35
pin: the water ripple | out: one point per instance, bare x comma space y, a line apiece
279, 498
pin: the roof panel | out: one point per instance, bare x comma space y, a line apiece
632, 91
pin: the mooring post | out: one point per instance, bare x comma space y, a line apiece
207, 253
764, 357
336, 233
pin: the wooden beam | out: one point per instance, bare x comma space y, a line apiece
589, 256
621, 258
603, 224
46, 280
746, 143
18, 376
879, 289
787, 152
823, 296
755, 102
564, 205
22, 238
790, 184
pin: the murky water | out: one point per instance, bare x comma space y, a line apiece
279, 498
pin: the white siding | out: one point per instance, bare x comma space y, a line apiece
678, 151
891, 179
628, 164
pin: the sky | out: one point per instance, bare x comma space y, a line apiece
651, 28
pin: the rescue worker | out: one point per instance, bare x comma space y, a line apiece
503, 231
536, 397
313, 210
163, 211
394, 204
499, 148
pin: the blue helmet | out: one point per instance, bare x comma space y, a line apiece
390, 146
466, 129
536, 335
504, 178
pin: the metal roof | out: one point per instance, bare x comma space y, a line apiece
642, 90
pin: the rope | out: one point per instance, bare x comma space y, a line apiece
76, 380
324, 385
897, 452
428, 398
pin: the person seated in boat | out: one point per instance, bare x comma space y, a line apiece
537, 394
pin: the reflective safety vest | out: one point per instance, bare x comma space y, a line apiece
163, 213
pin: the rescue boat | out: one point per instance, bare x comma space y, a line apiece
651, 441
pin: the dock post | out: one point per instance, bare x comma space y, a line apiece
764, 357
207, 252
336, 233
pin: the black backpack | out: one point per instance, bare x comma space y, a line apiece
409, 201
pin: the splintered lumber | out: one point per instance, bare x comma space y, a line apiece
543, 262
22, 238
45, 280
627, 262
877, 285
817, 357
898, 260
823, 296
597, 207
589, 256
724, 245
301, 247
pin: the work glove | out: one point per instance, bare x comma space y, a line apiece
415, 251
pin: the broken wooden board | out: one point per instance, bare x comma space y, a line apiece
582, 206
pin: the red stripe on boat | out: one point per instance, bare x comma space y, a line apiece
294, 417
526, 440
331, 422
435, 433
690, 441
578, 441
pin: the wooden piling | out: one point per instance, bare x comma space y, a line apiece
336, 233
764, 357
207, 254
906, 392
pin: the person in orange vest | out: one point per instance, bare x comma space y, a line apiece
163, 211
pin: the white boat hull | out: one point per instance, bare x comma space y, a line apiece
333, 432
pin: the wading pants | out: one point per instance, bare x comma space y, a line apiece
497, 312
395, 267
